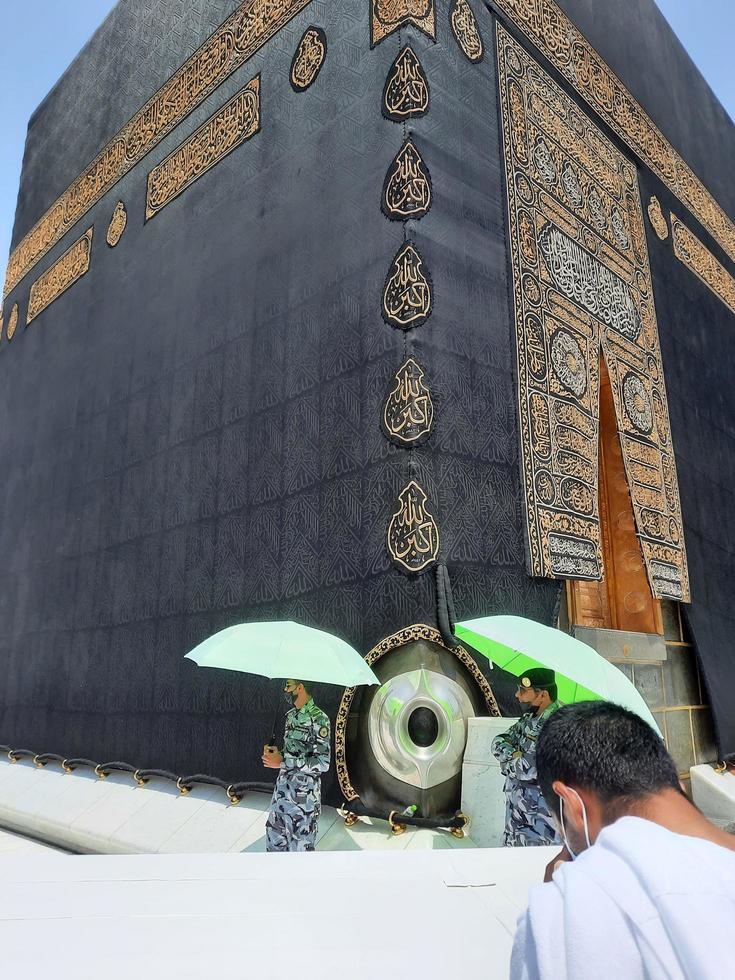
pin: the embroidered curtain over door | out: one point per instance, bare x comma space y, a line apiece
581, 282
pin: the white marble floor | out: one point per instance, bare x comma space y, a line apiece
362, 914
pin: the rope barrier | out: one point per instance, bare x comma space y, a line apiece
185, 784
455, 823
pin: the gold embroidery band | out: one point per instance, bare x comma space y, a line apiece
388, 15
570, 53
223, 132
236, 40
63, 273
699, 260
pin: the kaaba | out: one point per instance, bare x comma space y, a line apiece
373, 315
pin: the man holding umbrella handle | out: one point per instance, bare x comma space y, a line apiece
296, 803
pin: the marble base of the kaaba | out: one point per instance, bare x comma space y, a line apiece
483, 798
714, 794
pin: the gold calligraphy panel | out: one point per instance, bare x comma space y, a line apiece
406, 92
12, 322
413, 535
388, 15
466, 32
407, 185
582, 281
544, 23
118, 221
656, 217
308, 59
408, 413
234, 42
72, 265
699, 260
233, 124
407, 295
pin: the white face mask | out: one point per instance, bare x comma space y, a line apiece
563, 828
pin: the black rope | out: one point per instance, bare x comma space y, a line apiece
450, 823
45, 757
235, 791
242, 788
105, 768
147, 774
447, 821
71, 764
187, 782
15, 754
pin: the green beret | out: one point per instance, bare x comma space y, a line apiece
539, 677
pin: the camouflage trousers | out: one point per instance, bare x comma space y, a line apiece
528, 822
294, 813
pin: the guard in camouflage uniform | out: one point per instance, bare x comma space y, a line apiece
296, 803
528, 821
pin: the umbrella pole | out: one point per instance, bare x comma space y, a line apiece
275, 722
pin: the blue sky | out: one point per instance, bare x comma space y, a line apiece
41, 38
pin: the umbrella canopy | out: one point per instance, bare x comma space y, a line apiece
284, 649
516, 644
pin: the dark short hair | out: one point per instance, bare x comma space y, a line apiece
604, 748
550, 690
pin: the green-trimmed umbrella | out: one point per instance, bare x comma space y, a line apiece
516, 644
284, 649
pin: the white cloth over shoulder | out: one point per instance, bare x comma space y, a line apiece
641, 903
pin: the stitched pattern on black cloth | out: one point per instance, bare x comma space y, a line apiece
201, 446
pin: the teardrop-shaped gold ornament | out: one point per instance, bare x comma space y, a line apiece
413, 535
407, 185
407, 294
406, 92
408, 413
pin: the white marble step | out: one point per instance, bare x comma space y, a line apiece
714, 794
82, 813
483, 797
15, 844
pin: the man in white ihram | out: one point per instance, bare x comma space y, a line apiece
645, 886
